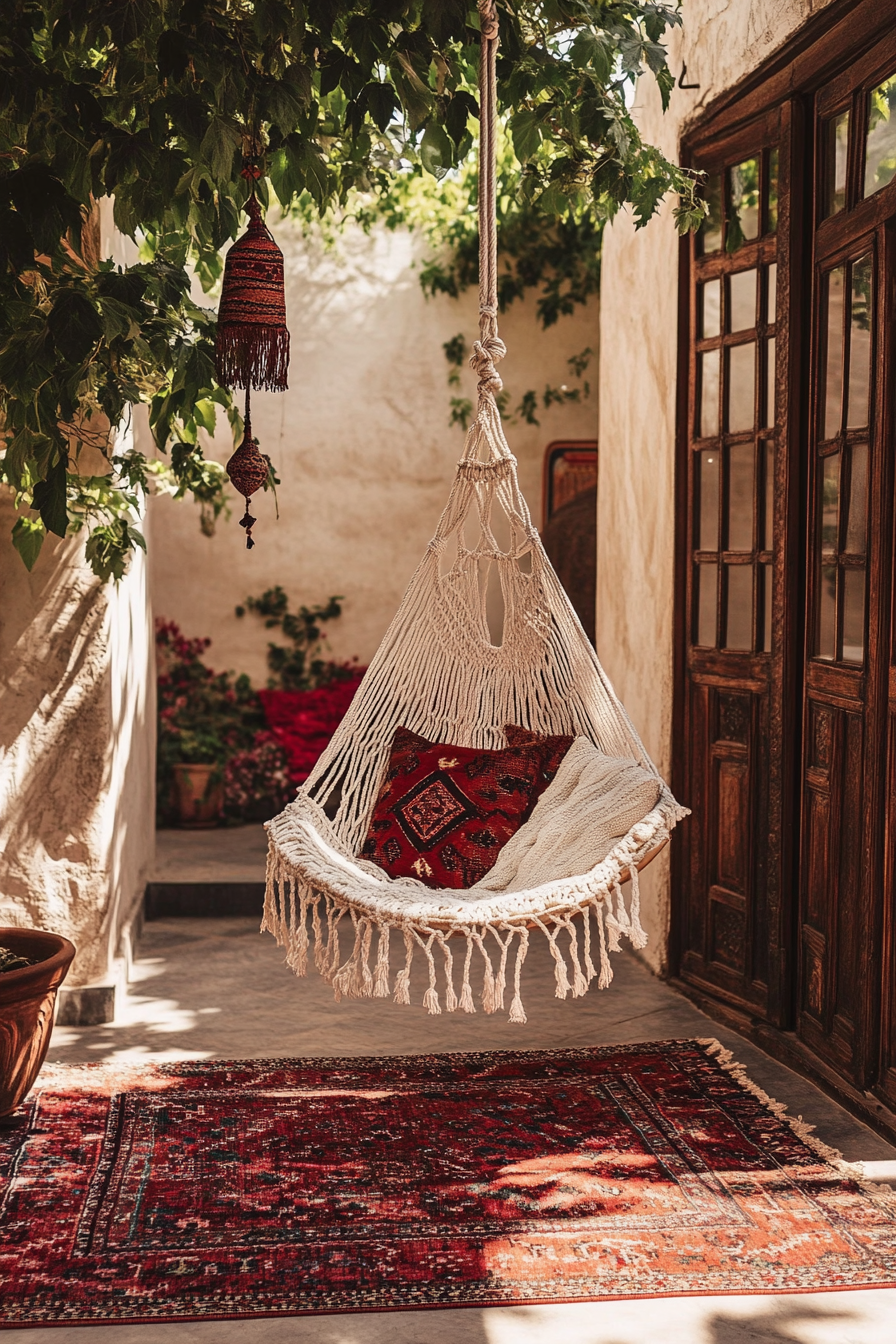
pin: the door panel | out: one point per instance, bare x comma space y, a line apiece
839, 975
785, 879
738, 314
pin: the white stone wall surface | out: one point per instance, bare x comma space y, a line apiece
721, 41
362, 446
77, 749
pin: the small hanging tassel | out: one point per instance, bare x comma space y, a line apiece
248, 471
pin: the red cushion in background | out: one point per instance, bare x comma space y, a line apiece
444, 812
555, 748
304, 721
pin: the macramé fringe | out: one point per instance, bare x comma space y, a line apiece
587, 922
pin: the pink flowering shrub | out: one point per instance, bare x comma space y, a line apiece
214, 718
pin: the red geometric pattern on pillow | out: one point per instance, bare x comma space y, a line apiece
555, 748
444, 812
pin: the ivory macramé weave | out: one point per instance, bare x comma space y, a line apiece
438, 673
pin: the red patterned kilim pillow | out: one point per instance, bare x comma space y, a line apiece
555, 748
444, 812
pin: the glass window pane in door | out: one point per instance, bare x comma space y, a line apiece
708, 483
765, 580
772, 292
833, 383
743, 204
880, 146
706, 584
771, 211
857, 514
830, 503
742, 301
708, 412
740, 497
826, 618
768, 451
853, 615
739, 623
741, 387
768, 407
710, 308
859, 345
709, 238
835, 143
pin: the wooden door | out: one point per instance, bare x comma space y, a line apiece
844, 980
735, 772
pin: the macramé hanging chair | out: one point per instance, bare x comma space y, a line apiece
438, 673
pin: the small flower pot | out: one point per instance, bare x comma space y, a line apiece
27, 1000
199, 790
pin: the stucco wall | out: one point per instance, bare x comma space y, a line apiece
362, 446
77, 743
721, 41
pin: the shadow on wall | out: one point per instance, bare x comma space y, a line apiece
52, 720
66, 737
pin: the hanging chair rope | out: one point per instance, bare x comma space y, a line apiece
489, 349
438, 673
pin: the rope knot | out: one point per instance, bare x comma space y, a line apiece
485, 354
488, 19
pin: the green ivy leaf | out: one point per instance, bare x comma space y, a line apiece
219, 144
436, 150
74, 325
380, 102
28, 538
48, 498
526, 133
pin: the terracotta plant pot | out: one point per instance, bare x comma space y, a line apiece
27, 999
200, 797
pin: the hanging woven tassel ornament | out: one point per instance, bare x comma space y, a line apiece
248, 471
252, 342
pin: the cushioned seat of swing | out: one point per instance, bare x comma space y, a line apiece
305, 837
593, 801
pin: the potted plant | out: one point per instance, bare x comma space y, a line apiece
216, 759
199, 779
33, 964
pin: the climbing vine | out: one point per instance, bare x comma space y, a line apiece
148, 103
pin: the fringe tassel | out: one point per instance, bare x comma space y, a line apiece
269, 915
252, 353
590, 972
501, 976
579, 983
403, 978
320, 954
431, 997
606, 968
488, 978
561, 979
517, 1012
638, 936
622, 919
381, 976
300, 965
450, 996
466, 992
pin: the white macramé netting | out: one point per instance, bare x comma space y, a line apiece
438, 673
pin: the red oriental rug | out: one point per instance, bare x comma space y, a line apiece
304, 721
215, 1190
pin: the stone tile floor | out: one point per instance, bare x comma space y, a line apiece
215, 989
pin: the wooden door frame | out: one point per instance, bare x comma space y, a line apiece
825, 46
